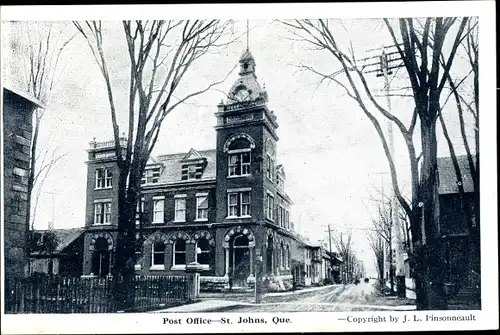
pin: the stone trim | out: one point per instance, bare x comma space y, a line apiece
238, 136
178, 235
203, 234
156, 237
105, 235
245, 231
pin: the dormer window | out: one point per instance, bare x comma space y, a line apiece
193, 165
281, 183
192, 172
151, 175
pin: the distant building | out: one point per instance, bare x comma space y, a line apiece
223, 208
18, 110
336, 269
57, 252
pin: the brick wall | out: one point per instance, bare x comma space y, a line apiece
17, 131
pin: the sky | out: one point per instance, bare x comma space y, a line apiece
331, 153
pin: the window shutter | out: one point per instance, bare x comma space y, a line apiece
184, 172
199, 169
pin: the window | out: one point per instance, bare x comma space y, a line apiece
287, 219
158, 256
281, 183
180, 208
102, 212
203, 252
179, 252
158, 209
103, 178
193, 169
99, 178
282, 256
282, 217
288, 257
109, 178
270, 207
202, 207
238, 204
139, 212
270, 167
151, 176
239, 164
191, 172
245, 203
270, 159
232, 207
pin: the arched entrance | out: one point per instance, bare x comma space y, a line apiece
239, 243
101, 258
101, 247
240, 260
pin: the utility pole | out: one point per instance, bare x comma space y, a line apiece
387, 256
330, 239
398, 246
385, 70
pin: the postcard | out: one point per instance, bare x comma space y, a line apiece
249, 168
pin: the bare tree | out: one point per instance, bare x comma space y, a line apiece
377, 245
160, 54
421, 60
343, 243
38, 48
465, 92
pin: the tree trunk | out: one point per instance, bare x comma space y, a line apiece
123, 271
431, 252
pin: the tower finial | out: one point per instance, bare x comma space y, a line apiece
247, 37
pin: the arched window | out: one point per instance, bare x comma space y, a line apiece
270, 154
158, 256
239, 150
282, 256
203, 252
179, 252
287, 257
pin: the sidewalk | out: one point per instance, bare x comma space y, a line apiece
203, 306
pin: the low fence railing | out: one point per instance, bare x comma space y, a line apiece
49, 294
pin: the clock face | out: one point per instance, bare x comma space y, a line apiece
242, 95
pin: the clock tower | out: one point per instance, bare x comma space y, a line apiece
246, 141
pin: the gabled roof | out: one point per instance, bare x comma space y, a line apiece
63, 238
172, 171
280, 170
25, 96
192, 155
448, 177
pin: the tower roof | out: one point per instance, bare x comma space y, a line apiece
246, 87
246, 56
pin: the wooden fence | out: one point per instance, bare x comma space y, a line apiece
49, 294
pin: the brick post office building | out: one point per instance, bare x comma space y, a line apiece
223, 208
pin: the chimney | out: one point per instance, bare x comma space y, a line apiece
50, 225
